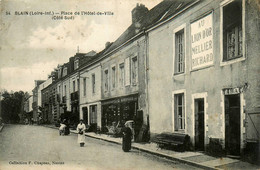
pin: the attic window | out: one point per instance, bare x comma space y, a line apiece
76, 64
65, 71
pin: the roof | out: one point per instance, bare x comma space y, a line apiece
159, 13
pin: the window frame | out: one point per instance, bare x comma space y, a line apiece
106, 81
65, 90
74, 86
65, 71
113, 76
93, 82
134, 59
174, 109
76, 64
223, 61
121, 77
176, 31
127, 62
84, 86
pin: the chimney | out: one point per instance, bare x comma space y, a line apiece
138, 12
107, 44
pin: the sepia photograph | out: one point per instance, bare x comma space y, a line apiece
129, 84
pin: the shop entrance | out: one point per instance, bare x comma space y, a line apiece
199, 124
232, 124
119, 110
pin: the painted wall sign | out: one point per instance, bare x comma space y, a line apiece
230, 91
202, 42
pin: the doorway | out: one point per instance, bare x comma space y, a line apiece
232, 124
85, 114
199, 124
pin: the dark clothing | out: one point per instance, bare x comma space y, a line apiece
67, 130
127, 137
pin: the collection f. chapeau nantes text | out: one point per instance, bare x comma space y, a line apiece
36, 163
62, 15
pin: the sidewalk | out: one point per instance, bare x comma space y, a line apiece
197, 159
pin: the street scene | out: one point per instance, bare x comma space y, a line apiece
46, 148
130, 84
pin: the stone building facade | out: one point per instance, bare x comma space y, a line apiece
206, 86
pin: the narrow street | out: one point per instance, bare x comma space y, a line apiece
29, 146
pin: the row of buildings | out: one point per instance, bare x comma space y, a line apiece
188, 67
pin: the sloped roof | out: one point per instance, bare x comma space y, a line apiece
159, 13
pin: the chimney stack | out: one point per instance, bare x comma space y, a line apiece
138, 12
107, 44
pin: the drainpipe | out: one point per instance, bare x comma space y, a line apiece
146, 64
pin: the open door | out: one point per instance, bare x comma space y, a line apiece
199, 124
232, 124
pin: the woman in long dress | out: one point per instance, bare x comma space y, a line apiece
81, 135
127, 137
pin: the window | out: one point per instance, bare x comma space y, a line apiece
106, 80
59, 90
232, 30
127, 71
76, 64
121, 74
134, 71
93, 83
113, 77
179, 112
84, 86
179, 52
65, 90
64, 71
77, 88
74, 86
59, 72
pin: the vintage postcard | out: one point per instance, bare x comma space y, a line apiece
129, 84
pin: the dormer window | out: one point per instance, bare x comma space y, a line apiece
76, 64
64, 71
59, 72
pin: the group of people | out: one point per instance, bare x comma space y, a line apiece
64, 130
127, 132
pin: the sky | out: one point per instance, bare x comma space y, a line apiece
31, 46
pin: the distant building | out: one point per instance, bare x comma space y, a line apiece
36, 92
28, 109
61, 98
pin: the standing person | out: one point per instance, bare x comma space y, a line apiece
81, 136
67, 127
127, 137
